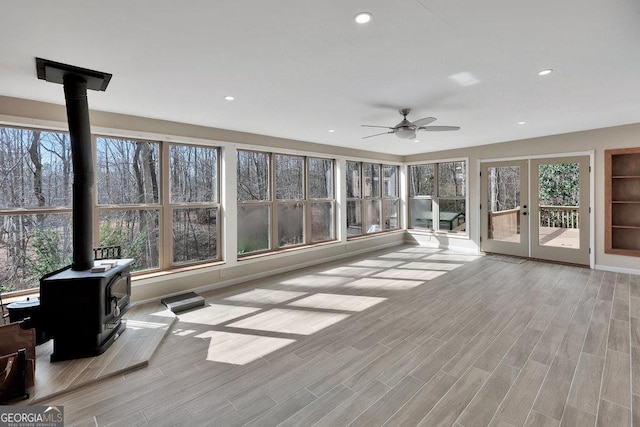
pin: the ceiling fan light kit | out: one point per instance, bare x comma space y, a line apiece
407, 130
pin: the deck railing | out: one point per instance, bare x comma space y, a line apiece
559, 216
504, 224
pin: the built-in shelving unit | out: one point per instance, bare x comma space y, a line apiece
622, 206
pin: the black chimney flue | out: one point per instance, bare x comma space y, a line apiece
76, 81
75, 93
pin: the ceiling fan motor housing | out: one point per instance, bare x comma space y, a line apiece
405, 132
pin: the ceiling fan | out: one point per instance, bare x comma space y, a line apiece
407, 130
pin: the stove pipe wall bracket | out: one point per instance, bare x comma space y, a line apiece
76, 81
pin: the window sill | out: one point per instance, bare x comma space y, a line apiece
143, 276
285, 250
459, 235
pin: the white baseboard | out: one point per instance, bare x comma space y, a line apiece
617, 269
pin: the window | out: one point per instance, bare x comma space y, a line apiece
254, 202
35, 206
372, 198
438, 190
322, 200
129, 198
293, 206
132, 208
193, 189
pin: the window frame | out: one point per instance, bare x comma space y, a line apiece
436, 198
273, 203
367, 199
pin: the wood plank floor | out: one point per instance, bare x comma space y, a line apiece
147, 325
402, 337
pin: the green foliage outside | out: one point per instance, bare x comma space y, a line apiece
559, 184
117, 236
49, 255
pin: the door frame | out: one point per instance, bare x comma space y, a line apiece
591, 153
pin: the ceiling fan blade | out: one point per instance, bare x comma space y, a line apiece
438, 128
425, 121
377, 134
374, 126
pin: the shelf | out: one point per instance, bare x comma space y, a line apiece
622, 209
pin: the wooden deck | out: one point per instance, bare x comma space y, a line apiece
553, 236
402, 337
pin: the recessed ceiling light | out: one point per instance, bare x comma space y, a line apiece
416, 140
545, 72
229, 98
363, 17
331, 130
521, 123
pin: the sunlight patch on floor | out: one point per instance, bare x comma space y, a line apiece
377, 263
350, 271
383, 283
240, 349
338, 302
214, 314
410, 274
314, 281
453, 257
421, 265
265, 296
301, 322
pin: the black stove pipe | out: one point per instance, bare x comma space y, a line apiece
76, 81
75, 93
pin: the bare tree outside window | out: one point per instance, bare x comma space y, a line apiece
127, 183
35, 205
193, 189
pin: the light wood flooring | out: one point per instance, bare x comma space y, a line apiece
402, 337
147, 325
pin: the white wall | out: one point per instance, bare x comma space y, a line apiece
19, 112
597, 140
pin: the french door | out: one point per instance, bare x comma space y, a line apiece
536, 208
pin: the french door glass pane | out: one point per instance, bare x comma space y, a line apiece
504, 203
558, 204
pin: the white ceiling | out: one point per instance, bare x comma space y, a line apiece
298, 68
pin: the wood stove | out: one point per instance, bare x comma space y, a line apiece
84, 309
